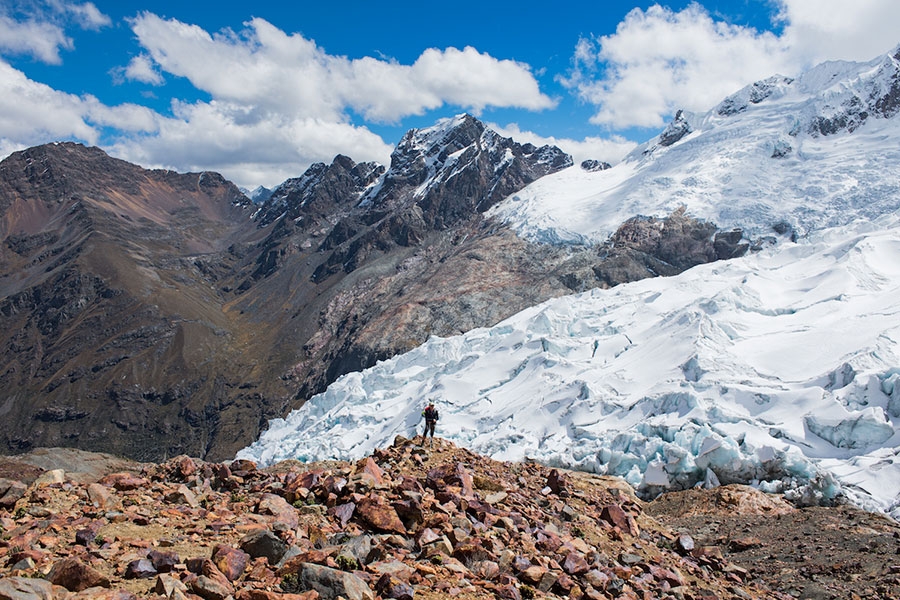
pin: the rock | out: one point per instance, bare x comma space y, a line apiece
124, 481
685, 543
533, 574
343, 512
51, 477
11, 492
618, 518
101, 497
166, 585
184, 466
75, 575
593, 165
271, 504
332, 583
264, 544
745, 543
380, 516
26, 588
211, 589
163, 562
675, 130
97, 593
575, 564
140, 569
231, 562
182, 495
555, 482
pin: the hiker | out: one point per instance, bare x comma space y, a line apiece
431, 416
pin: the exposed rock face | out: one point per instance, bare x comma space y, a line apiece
593, 165
674, 131
152, 314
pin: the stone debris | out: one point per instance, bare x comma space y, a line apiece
403, 523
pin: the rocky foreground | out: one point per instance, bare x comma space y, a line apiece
414, 521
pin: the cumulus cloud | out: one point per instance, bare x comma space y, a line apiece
819, 30
232, 139
659, 60
33, 113
141, 69
609, 149
39, 29
286, 73
43, 41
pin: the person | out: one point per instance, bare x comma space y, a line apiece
431, 416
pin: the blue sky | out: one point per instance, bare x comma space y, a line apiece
260, 90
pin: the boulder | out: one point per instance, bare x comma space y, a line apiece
75, 576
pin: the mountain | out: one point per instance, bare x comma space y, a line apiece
150, 313
778, 368
796, 155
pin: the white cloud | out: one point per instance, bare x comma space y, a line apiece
87, 15
659, 60
233, 140
38, 28
819, 30
33, 113
290, 75
41, 40
611, 150
141, 69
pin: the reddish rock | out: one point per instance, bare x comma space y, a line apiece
101, 497
124, 481
265, 595
370, 467
211, 589
745, 543
163, 562
343, 512
166, 585
575, 564
10, 492
140, 569
533, 574
97, 593
242, 465
230, 561
380, 516
270, 504
182, 495
184, 466
616, 516
75, 575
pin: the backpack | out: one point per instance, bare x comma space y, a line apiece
431, 413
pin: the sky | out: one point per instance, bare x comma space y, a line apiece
260, 91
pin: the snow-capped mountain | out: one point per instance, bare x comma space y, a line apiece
807, 153
779, 369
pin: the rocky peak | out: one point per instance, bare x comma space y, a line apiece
677, 129
320, 189
459, 168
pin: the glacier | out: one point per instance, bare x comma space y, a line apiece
780, 369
